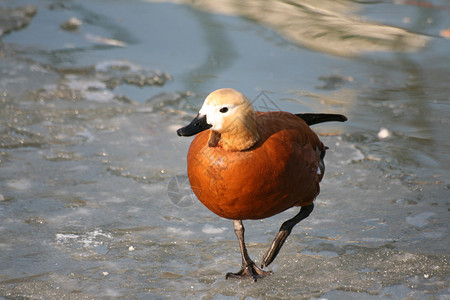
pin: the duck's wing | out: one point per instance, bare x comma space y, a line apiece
312, 118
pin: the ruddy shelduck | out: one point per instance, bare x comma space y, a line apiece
245, 164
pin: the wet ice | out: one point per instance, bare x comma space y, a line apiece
88, 204
419, 220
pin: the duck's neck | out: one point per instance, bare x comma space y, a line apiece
242, 136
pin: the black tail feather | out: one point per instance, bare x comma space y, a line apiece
312, 118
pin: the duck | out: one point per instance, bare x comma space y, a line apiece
249, 165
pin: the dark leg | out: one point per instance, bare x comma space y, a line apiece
284, 232
249, 269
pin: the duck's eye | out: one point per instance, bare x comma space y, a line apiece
223, 110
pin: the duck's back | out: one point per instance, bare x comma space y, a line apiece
283, 169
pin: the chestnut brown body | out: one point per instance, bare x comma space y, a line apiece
280, 171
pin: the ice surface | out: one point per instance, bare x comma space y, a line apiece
209, 229
95, 202
22, 184
15, 18
419, 220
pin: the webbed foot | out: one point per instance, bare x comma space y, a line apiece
249, 271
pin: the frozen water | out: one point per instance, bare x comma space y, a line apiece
95, 201
19, 184
419, 220
209, 229
15, 18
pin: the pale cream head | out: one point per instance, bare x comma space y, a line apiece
223, 107
231, 115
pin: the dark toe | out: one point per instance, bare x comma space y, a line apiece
250, 271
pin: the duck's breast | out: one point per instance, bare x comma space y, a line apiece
280, 171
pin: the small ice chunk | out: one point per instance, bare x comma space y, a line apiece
20, 184
99, 232
72, 24
209, 229
65, 238
419, 220
104, 40
179, 231
74, 82
99, 96
384, 133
